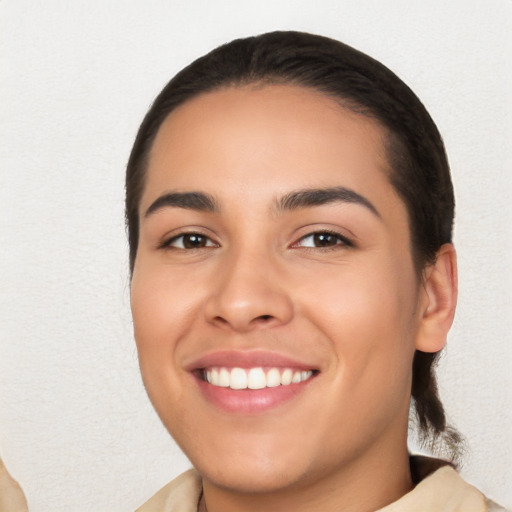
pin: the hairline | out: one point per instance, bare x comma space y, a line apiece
389, 140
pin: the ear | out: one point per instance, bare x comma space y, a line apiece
438, 300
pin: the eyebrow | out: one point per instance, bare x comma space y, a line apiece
188, 200
292, 201
320, 196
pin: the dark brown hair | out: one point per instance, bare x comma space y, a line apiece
418, 165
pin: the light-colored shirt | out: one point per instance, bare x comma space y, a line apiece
443, 490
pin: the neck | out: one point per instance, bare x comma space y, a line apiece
366, 484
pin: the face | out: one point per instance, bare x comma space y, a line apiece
274, 297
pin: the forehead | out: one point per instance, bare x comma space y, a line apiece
269, 139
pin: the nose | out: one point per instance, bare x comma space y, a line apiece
249, 294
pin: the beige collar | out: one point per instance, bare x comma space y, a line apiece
443, 490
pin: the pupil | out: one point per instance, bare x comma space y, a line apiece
325, 240
194, 241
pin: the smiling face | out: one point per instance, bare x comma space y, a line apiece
274, 254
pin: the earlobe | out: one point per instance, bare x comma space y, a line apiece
437, 304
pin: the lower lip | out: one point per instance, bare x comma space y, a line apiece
250, 401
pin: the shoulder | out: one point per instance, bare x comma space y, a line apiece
180, 495
441, 488
11, 495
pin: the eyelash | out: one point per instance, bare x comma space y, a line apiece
341, 241
168, 244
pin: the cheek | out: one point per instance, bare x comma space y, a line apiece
167, 309
157, 314
162, 305
367, 313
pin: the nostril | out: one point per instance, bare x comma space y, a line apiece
264, 317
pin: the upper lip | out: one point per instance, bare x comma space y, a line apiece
247, 359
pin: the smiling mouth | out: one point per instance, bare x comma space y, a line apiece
254, 378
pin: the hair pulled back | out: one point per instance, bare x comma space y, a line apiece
418, 166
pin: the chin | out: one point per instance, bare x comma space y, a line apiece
251, 478
251, 465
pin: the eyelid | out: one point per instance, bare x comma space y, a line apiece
169, 239
346, 242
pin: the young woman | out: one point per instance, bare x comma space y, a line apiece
290, 207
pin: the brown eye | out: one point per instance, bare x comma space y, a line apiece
324, 239
190, 241
194, 241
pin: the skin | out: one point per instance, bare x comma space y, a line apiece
355, 311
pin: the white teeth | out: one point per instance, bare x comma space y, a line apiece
238, 379
224, 378
304, 375
273, 378
286, 377
254, 378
